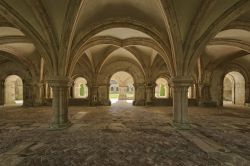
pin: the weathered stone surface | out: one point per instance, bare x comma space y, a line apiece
126, 135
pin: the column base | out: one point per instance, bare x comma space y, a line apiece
181, 126
207, 103
139, 103
149, 103
56, 126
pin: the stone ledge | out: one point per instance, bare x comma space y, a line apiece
247, 104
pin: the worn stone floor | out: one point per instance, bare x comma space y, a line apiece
123, 135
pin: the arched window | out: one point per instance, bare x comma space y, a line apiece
80, 88
13, 90
162, 88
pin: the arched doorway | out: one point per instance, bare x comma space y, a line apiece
80, 88
234, 89
121, 87
13, 90
162, 88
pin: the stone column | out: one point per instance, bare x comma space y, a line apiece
72, 91
33, 93
206, 92
28, 94
103, 94
139, 94
149, 93
40, 93
170, 91
60, 88
247, 94
192, 92
205, 96
180, 101
197, 92
94, 95
122, 92
47, 89
1, 92
153, 89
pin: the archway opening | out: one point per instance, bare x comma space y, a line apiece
121, 88
80, 88
234, 89
161, 88
13, 90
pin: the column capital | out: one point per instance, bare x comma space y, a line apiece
103, 84
59, 82
203, 84
139, 84
150, 84
181, 81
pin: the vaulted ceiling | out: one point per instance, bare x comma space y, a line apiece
174, 32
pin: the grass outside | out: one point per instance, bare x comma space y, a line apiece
116, 95
113, 96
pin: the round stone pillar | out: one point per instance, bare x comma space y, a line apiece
94, 95
149, 93
103, 94
140, 93
39, 89
193, 91
72, 91
170, 91
60, 88
28, 93
122, 93
180, 101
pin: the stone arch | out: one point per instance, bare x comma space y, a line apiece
14, 57
18, 21
216, 79
13, 90
132, 24
237, 68
221, 22
121, 44
234, 88
29, 82
161, 75
26, 77
85, 76
123, 81
109, 69
114, 50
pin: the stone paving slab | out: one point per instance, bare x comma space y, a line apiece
127, 136
19, 148
10, 160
